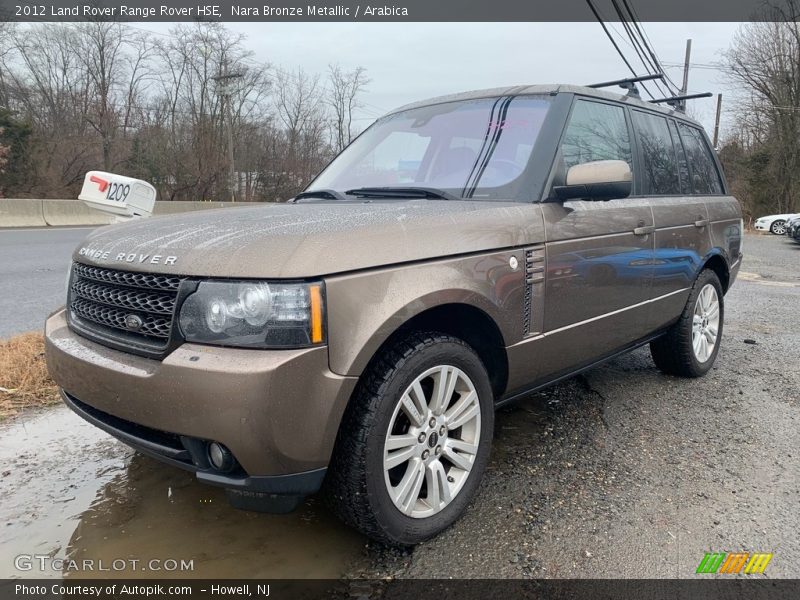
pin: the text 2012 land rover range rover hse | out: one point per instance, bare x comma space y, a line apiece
459, 254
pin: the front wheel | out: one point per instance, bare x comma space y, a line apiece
690, 346
414, 442
778, 227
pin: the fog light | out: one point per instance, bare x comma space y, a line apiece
220, 457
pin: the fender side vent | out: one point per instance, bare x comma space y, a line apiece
534, 275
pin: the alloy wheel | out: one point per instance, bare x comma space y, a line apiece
432, 441
778, 227
705, 323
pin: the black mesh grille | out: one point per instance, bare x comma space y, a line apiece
151, 302
113, 317
132, 309
126, 278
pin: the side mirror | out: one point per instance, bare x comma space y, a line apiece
597, 180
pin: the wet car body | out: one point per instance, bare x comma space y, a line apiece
538, 285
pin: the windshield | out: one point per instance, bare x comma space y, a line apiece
469, 149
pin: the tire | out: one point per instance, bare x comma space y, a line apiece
778, 227
360, 475
675, 353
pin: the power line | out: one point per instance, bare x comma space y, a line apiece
616, 46
169, 35
638, 46
707, 66
648, 44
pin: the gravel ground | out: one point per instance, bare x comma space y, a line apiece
625, 472
620, 472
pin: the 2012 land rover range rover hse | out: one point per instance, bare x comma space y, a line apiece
458, 254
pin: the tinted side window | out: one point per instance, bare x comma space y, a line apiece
683, 165
660, 168
705, 177
595, 132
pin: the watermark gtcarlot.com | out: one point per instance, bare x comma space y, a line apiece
43, 562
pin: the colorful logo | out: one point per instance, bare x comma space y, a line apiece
733, 563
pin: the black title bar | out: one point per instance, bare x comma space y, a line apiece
734, 588
392, 10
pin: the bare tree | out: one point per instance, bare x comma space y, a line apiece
300, 108
298, 99
345, 89
764, 59
46, 85
82, 96
6, 47
188, 96
116, 62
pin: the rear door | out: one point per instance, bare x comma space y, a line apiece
599, 253
724, 214
681, 217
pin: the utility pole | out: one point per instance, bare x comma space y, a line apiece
716, 121
225, 90
685, 87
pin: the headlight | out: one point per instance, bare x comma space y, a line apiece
254, 314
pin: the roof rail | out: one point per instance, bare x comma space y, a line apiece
679, 102
628, 83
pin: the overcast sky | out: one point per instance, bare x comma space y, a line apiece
413, 61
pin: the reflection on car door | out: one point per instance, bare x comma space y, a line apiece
725, 226
681, 218
599, 253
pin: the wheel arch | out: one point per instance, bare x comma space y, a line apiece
717, 262
478, 298
465, 322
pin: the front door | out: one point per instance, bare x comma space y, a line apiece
599, 253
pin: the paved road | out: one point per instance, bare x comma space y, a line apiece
33, 270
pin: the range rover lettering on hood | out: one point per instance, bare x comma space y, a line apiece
128, 257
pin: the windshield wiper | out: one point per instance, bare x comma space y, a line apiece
402, 192
325, 194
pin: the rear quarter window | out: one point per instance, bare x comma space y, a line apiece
705, 178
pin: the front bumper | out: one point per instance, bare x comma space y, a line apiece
277, 411
761, 226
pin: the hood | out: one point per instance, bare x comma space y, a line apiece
309, 240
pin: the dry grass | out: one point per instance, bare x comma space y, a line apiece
24, 381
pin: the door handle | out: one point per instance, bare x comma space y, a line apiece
644, 230
701, 223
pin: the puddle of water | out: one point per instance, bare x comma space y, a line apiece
47, 482
73, 492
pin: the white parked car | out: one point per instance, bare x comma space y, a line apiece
773, 223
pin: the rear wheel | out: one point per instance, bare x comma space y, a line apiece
778, 227
414, 441
690, 346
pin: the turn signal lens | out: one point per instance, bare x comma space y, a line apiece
316, 314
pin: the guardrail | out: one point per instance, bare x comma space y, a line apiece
16, 212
